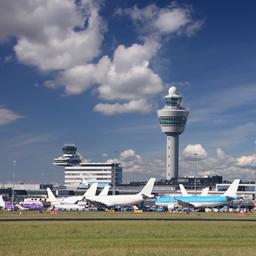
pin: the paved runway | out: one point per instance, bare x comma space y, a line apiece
128, 219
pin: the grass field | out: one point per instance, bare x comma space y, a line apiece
164, 236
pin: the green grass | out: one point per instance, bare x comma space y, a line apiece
151, 237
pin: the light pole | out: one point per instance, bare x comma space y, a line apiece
13, 179
195, 154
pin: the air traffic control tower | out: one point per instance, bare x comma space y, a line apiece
173, 118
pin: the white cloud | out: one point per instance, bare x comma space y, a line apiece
127, 78
138, 106
46, 38
192, 29
171, 19
49, 40
248, 162
222, 164
128, 155
7, 116
135, 167
194, 152
81, 77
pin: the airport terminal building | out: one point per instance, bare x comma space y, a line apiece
76, 170
110, 173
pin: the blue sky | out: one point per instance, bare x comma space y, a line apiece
93, 73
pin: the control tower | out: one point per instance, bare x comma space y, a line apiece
69, 158
173, 118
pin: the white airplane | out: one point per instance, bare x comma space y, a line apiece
79, 205
71, 199
185, 193
123, 200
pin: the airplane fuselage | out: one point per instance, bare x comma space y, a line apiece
195, 201
117, 200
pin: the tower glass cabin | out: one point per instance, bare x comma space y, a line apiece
173, 118
70, 156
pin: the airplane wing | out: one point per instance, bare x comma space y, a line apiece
147, 196
185, 204
97, 203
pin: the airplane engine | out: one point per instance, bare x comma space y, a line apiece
171, 207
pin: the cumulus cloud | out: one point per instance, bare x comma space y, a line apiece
126, 79
7, 116
171, 19
129, 76
131, 161
136, 167
247, 162
46, 38
194, 152
81, 77
228, 166
71, 46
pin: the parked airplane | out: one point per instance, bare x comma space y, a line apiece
79, 205
70, 199
123, 200
185, 193
29, 204
5, 205
200, 201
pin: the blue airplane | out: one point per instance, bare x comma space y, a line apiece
199, 201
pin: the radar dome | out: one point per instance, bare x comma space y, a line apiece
172, 91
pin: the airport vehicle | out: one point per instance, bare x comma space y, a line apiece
123, 200
5, 205
70, 199
200, 201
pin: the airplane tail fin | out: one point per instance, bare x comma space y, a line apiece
104, 191
231, 191
147, 190
2, 204
183, 190
91, 191
51, 196
85, 182
205, 192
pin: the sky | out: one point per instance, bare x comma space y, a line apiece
94, 73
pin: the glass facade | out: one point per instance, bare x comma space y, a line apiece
173, 120
69, 149
173, 101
